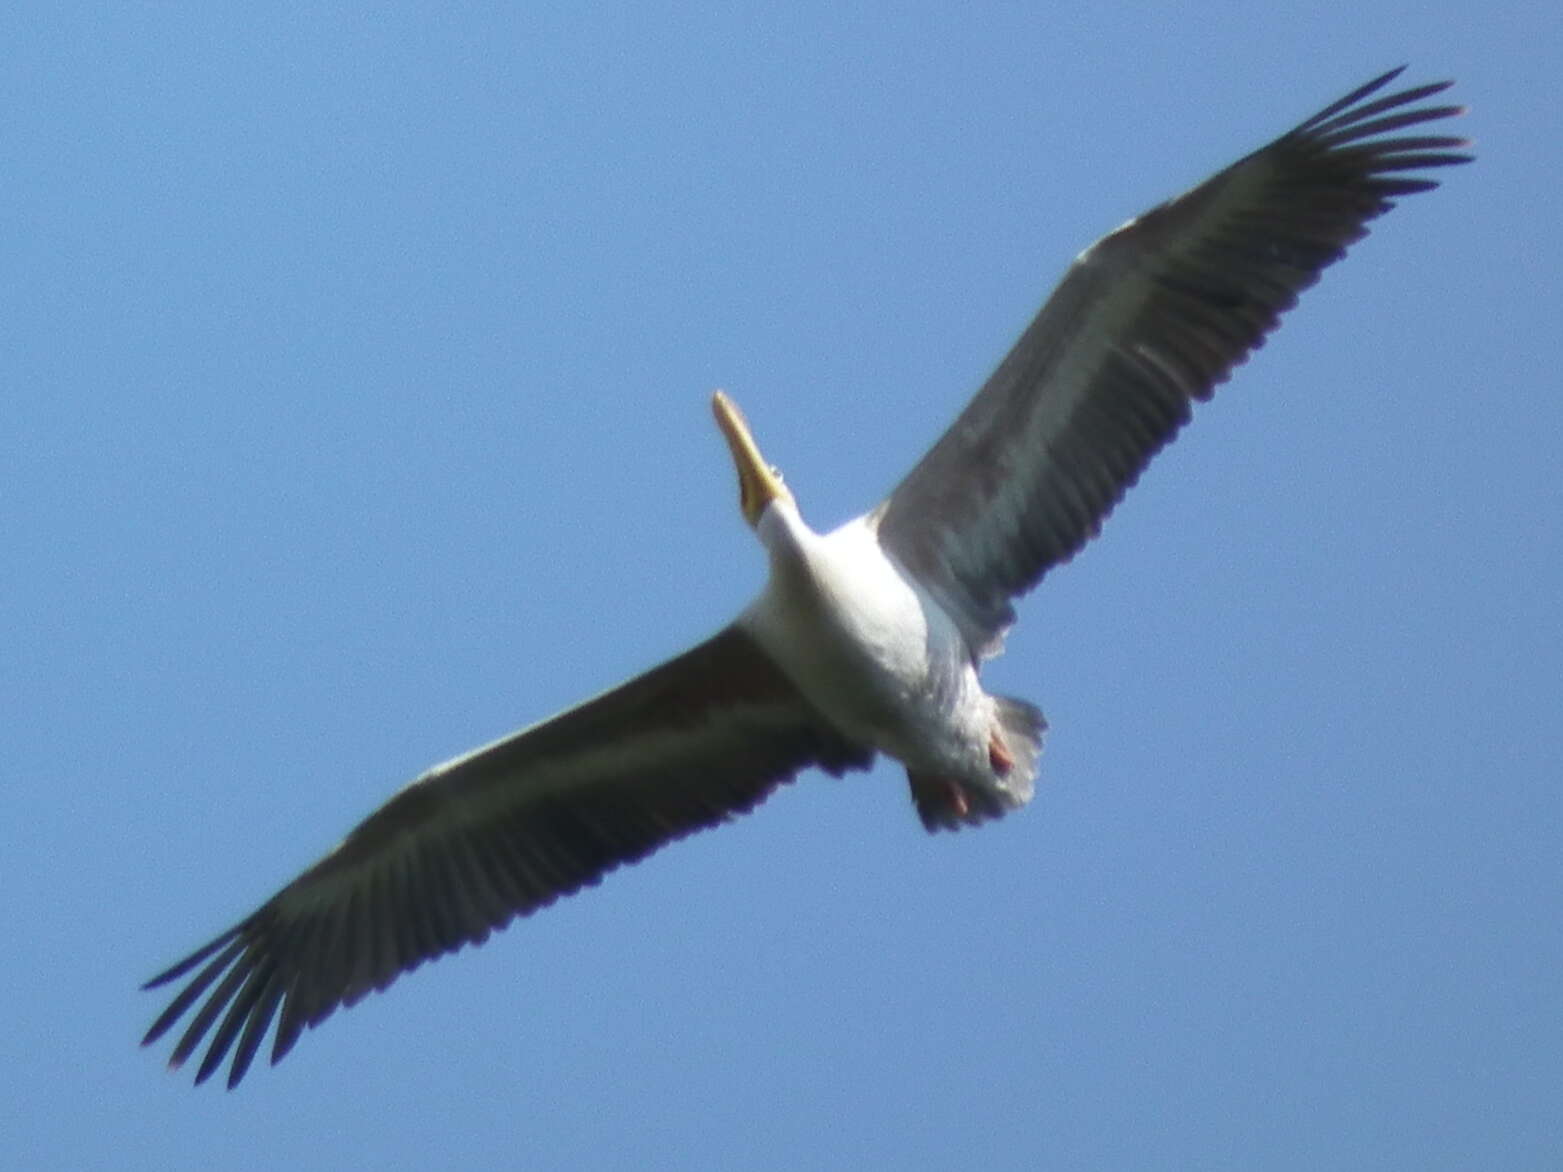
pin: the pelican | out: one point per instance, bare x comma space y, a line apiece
868, 639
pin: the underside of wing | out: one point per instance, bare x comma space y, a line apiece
1148, 319
499, 833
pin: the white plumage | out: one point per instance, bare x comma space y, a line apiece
866, 640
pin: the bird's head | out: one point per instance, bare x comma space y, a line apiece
759, 484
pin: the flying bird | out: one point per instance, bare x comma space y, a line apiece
867, 639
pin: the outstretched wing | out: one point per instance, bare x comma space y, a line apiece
1148, 319
499, 833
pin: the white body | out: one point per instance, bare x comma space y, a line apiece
870, 649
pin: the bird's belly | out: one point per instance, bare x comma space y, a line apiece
886, 667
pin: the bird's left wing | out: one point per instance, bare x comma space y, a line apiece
1148, 319
499, 833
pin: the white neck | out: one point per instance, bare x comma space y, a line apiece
785, 534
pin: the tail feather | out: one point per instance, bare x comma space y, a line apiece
948, 803
1023, 725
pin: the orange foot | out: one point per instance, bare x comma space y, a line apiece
999, 755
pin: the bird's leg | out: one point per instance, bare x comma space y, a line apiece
999, 755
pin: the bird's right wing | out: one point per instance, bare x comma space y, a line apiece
502, 832
1150, 318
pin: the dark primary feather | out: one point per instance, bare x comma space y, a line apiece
1150, 318
498, 834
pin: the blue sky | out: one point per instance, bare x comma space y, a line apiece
356, 367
